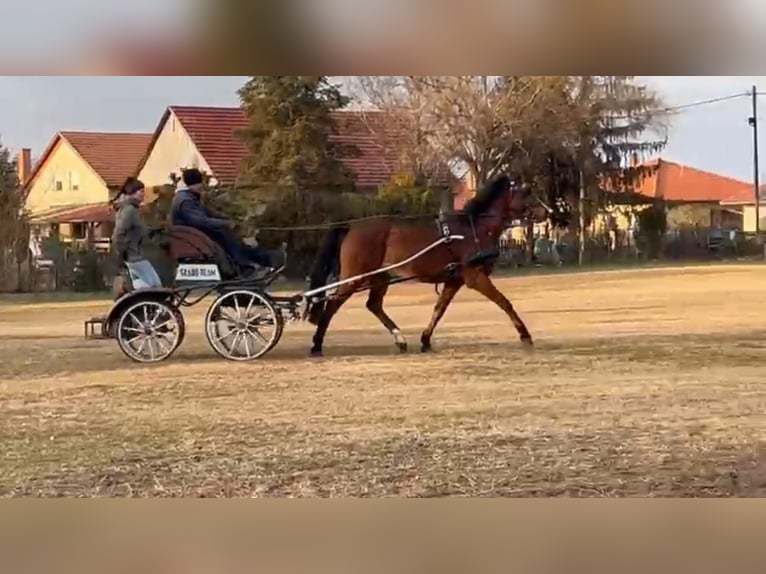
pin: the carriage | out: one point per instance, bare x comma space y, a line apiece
244, 321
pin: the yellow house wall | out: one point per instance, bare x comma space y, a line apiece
173, 150
621, 214
748, 218
62, 163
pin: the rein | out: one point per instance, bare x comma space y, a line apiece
346, 222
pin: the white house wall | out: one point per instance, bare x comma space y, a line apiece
173, 150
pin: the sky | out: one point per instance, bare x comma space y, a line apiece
714, 137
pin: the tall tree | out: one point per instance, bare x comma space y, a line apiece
551, 129
614, 121
613, 124
14, 232
289, 133
477, 121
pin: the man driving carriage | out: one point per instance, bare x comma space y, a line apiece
187, 209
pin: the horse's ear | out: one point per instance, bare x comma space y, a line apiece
501, 182
515, 180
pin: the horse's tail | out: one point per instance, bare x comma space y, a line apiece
327, 263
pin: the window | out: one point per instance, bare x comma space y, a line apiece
74, 181
58, 182
79, 231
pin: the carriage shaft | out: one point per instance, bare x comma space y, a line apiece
385, 269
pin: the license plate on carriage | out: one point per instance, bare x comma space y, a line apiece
198, 272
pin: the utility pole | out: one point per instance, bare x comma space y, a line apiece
581, 254
753, 121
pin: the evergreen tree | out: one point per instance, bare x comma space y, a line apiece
619, 120
9, 180
288, 137
607, 124
591, 127
14, 232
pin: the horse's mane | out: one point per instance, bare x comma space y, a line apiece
485, 197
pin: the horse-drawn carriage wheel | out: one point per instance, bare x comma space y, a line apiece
181, 324
149, 331
243, 325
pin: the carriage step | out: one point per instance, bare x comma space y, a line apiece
95, 328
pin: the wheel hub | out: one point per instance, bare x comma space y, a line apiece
233, 325
144, 331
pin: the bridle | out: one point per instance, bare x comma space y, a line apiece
536, 199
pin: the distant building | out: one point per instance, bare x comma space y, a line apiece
69, 188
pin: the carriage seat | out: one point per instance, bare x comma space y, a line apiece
188, 245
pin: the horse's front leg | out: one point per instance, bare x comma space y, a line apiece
445, 298
478, 280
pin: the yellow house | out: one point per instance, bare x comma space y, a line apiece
744, 202
206, 138
182, 130
69, 189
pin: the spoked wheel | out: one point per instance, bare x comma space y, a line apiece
150, 331
243, 325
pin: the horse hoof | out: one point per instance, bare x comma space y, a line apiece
426, 349
402, 347
316, 352
527, 342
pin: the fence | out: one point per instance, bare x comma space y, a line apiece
79, 269
698, 244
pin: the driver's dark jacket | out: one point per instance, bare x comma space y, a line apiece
187, 209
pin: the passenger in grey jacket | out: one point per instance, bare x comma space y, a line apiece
129, 234
187, 209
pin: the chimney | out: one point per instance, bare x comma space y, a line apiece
24, 165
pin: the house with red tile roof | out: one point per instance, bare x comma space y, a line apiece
206, 138
744, 201
700, 192
675, 183
690, 196
70, 186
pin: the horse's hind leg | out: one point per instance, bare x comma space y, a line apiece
478, 280
444, 300
375, 306
331, 307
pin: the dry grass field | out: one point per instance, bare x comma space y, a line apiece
642, 383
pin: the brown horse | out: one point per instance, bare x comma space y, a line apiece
365, 246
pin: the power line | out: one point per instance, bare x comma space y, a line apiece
689, 105
706, 102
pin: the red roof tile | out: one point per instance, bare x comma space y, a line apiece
92, 213
213, 131
745, 196
677, 182
113, 156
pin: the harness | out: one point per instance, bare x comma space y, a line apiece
480, 257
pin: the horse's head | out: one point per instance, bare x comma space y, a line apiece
522, 202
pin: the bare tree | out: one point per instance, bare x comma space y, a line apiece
389, 112
485, 123
571, 136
